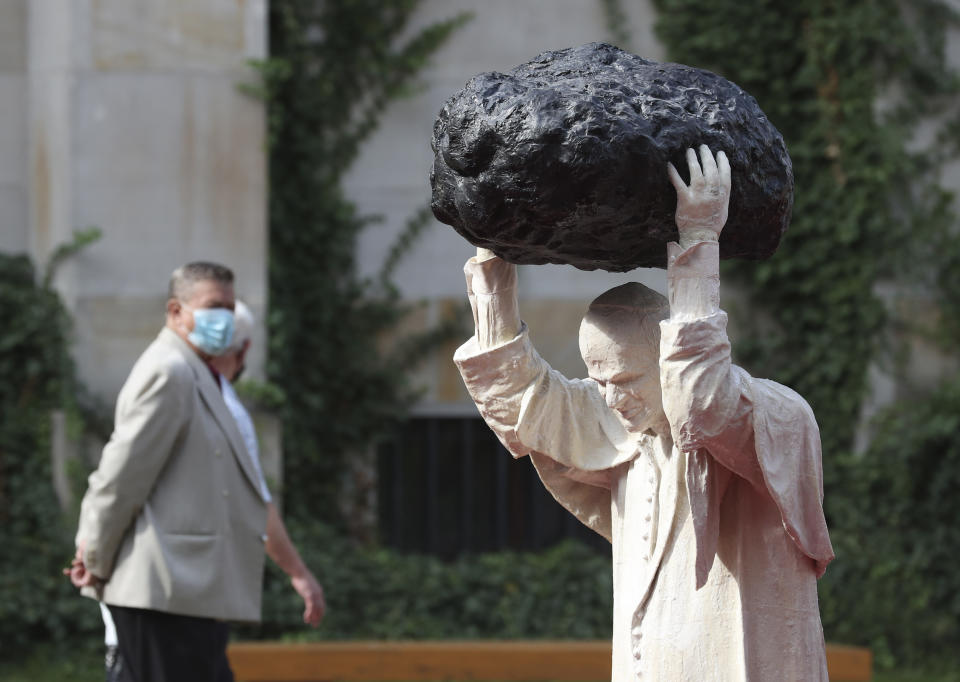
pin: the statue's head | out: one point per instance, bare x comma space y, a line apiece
620, 344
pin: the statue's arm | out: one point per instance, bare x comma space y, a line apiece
530, 406
499, 343
759, 430
704, 395
492, 290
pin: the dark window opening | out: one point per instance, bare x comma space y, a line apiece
447, 486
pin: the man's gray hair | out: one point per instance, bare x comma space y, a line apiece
184, 277
243, 322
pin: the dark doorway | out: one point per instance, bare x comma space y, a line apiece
447, 486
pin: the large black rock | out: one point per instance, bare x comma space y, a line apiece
563, 160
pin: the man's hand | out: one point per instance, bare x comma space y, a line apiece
312, 593
702, 206
280, 548
78, 573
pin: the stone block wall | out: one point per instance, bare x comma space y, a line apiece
131, 121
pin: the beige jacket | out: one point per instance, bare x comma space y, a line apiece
173, 519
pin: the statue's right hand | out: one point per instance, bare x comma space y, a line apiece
484, 254
492, 290
703, 205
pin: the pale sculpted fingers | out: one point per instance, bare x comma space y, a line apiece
704, 172
707, 170
696, 175
708, 164
716, 171
702, 206
675, 178
723, 168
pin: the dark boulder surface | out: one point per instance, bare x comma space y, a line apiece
563, 160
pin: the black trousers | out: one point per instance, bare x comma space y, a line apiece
166, 647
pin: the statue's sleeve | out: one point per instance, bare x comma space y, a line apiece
528, 404
761, 431
574, 440
703, 393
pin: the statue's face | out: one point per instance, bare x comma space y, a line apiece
623, 360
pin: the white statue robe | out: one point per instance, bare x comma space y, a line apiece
718, 531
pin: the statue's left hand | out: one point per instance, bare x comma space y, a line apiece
702, 205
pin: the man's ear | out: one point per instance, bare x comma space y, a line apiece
173, 306
242, 353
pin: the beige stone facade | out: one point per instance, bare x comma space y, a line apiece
125, 115
14, 232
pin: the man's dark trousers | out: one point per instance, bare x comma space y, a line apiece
167, 647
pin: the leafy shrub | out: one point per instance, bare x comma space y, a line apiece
895, 585
563, 592
36, 376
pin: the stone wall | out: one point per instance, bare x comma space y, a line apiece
14, 234
132, 122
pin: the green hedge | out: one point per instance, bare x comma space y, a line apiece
563, 592
896, 585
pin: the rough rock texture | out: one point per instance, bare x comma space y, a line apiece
563, 160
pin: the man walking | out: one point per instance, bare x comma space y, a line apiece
173, 523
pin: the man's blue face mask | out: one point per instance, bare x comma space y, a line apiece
212, 330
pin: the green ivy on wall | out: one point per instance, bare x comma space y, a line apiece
36, 378
335, 66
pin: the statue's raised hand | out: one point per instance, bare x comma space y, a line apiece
702, 205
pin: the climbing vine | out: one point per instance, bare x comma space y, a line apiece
335, 67
37, 376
